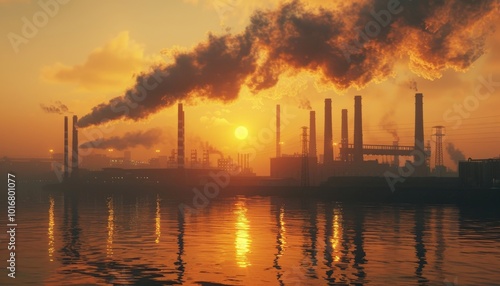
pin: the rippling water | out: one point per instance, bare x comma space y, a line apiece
146, 240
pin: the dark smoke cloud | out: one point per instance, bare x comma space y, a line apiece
412, 84
388, 124
455, 154
146, 139
304, 103
432, 35
57, 108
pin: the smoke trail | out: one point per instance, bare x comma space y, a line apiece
388, 124
353, 45
57, 108
412, 84
131, 139
304, 103
455, 154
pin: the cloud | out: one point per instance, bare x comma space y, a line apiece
57, 108
214, 121
110, 67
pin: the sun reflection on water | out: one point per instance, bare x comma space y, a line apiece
243, 240
157, 220
51, 229
337, 233
111, 227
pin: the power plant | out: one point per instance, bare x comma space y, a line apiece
351, 160
342, 176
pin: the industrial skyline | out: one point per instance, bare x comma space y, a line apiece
463, 101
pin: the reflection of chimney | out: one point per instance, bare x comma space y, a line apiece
419, 135
344, 141
66, 158
278, 131
180, 136
358, 130
328, 148
312, 140
74, 170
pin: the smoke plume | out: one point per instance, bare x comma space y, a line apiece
388, 124
146, 139
57, 108
352, 45
304, 103
455, 154
412, 84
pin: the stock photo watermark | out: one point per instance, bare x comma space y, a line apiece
482, 91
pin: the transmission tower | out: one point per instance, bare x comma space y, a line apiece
438, 132
305, 159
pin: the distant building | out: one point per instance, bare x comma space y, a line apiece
484, 173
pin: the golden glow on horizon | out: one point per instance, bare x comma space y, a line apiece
51, 229
241, 132
111, 227
243, 240
157, 220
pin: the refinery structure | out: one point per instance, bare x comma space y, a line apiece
307, 168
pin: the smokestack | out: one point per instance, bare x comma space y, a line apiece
358, 130
66, 158
180, 136
344, 142
419, 134
278, 131
312, 140
74, 170
328, 149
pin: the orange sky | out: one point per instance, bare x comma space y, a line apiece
88, 52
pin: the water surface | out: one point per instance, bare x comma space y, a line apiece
146, 240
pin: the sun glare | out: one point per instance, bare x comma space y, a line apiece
241, 132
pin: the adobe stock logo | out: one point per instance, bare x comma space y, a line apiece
30, 27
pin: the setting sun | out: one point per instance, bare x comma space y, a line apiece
241, 132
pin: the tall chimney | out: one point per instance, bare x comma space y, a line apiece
328, 148
74, 167
278, 131
344, 142
66, 158
312, 134
180, 136
419, 135
358, 130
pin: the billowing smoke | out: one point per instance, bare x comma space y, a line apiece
304, 103
389, 124
146, 139
455, 154
57, 108
353, 45
412, 84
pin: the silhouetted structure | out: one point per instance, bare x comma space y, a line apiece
344, 142
180, 136
312, 134
74, 171
419, 157
328, 147
66, 157
305, 159
358, 130
438, 135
